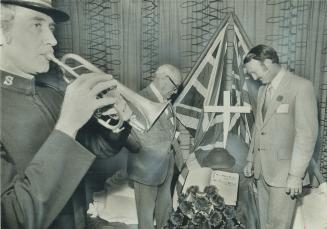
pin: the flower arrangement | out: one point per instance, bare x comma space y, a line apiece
205, 209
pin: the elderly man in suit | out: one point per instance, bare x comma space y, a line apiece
151, 169
283, 138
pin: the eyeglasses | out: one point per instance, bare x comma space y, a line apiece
176, 87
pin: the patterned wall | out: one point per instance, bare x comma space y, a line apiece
131, 38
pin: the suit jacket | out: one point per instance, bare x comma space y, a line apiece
283, 143
149, 165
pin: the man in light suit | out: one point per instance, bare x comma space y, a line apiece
283, 137
151, 169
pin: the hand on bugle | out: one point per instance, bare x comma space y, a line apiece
121, 107
81, 101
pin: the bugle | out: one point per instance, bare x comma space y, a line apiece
144, 111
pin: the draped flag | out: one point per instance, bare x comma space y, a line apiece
218, 69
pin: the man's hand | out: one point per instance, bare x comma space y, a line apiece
81, 101
248, 169
293, 186
121, 108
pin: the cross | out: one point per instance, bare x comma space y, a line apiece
227, 109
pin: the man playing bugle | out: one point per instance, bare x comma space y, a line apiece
42, 163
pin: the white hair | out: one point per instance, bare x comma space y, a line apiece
171, 71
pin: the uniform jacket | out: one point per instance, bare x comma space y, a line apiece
283, 143
149, 165
42, 167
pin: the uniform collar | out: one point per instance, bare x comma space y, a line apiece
17, 83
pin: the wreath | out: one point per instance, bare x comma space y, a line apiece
205, 210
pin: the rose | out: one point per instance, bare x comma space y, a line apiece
182, 198
177, 218
231, 224
198, 219
218, 202
230, 212
192, 190
186, 207
202, 203
197, 208
215, 218
228, 224
211, 190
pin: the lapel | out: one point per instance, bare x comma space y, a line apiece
164, 119
148, 93
281, 91
171, 124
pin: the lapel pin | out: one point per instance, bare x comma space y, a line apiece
279, 98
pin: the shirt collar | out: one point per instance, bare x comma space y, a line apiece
157, 93
278, 78
17, 83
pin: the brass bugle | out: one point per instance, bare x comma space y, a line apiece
144, 111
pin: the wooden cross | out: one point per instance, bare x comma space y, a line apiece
227, 109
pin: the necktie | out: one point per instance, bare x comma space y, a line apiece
267, 100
